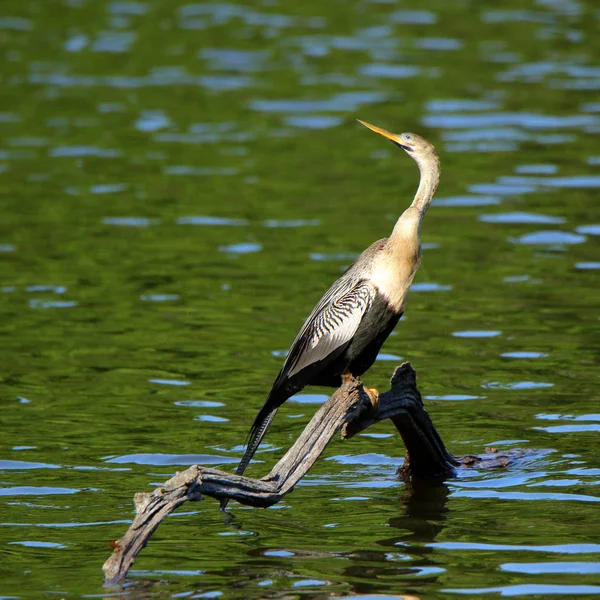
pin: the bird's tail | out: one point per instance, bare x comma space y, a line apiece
255, 436
257, 432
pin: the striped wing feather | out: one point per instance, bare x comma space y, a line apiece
331, 325
329, 328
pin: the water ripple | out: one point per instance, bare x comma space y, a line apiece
24, 465
36, 544
552, 549
571, 428
309, 582
501, 189
498, 146
112, 41
520, 279
518, 385
523, 354
68, 525
524, 120
211, 419
549, 238
536, 169
76, 42
159, 297
230, 59
588, 229
333, 256
559, 417
442, 44
129, 8
56, 289
202, 137
152, 120
413, 17
531, 589
454, 397
291, 222
15, 23
168, 76
459, 105
343, 102
80, 151
199, 403
313, 121
581, 568
517, 15
39, 303
383, 356
430, 287
175, 382
158, 459
30, 490
574, 181
487, 134
308, 399
205, 220
476, 334
369, 460
199, 16
520, 217
128, 221
467, 201
278, 553
241, 248
390, 71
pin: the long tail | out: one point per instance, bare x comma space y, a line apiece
257, 432
256, 435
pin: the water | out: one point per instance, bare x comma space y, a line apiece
181, 182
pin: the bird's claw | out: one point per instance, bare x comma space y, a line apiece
347, 377
373, 394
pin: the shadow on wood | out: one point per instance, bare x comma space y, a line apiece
349, 409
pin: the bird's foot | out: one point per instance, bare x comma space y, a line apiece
347, 377
373, 394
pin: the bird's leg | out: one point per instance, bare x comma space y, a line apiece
373, 393
347, 376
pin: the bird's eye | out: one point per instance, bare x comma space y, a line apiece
407, 137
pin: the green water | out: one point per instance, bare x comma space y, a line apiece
180, 183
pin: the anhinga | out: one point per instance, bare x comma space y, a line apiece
346, 329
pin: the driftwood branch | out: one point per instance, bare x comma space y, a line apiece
349, 409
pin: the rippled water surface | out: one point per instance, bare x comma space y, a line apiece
179, 184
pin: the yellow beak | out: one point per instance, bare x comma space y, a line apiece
380, 131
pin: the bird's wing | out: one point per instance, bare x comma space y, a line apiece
332, 323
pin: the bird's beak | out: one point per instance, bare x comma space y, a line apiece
386, 134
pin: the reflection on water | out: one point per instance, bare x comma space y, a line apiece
180, 184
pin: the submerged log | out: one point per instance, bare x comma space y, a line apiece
349, 409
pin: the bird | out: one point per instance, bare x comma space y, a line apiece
343, 334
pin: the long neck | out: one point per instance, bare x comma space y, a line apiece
430, 179
410, 220
394, 269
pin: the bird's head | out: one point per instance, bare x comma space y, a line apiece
414, 145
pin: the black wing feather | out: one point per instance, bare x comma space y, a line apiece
344, 305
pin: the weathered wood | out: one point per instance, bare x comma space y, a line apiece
348, 408
426, 456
